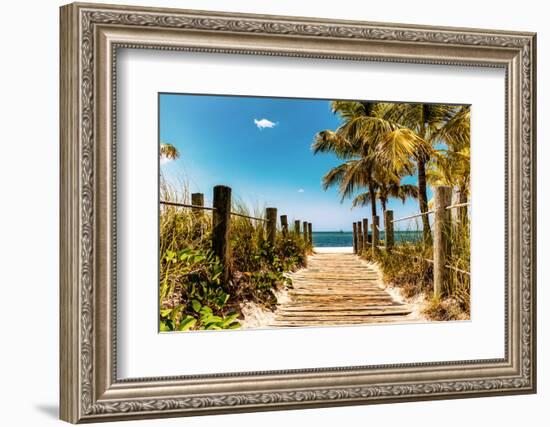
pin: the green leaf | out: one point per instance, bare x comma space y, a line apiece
234, 325
187, 323
196, 305
170, 255
215, 319
176, 312
207, 311
229, 319
165, 312
166, 326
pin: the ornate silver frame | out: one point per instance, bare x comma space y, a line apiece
90, 36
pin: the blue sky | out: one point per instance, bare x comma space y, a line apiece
261, 148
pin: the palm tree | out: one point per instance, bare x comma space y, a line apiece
350, 176
355, 141
168, 151
387, 191
456, 134
452, 166
418, 133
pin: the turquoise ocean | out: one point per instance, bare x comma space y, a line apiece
337, 239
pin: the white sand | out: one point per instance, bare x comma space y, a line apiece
328, 250
256, 316
416, 303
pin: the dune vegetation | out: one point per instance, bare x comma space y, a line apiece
192, 294
380, 144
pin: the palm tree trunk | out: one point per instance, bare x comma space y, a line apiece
423, 200
372, 195
383, 203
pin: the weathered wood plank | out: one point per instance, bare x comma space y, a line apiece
338, 289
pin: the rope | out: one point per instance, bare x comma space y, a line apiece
413, 216
431, 261
185, 205
458, 205
458, 269
248, 217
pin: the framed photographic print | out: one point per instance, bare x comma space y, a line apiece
265, 212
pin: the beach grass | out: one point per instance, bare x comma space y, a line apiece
191, 293
409, 267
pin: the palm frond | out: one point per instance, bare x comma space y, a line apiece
362, 199
168, 151
400, 146
456, 132
334, 176
406, 191
329, 141
357, 175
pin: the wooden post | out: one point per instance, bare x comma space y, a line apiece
375, 224
365, 233
221, 217
197, 199
271, 216
354, 237
442, 241
310, 232
359, 237
388, 227
306, 239
284, 224
297, 227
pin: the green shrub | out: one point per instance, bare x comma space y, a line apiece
192, 295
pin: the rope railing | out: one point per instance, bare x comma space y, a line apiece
248, 217
458, 205
414, 216
414, 256
458, 270
221, 224
186, 205
440, 238
431, 261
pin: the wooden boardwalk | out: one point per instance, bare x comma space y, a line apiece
338, 289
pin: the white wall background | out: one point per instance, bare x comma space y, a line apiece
29, 170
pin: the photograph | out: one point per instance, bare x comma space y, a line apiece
262, 211
287, 212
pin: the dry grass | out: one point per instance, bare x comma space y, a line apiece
406, 268
192, 295
446, 309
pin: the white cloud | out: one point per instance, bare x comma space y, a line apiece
301, 190
264, 123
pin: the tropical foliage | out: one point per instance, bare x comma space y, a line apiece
168, 151
192, 294
380, 144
